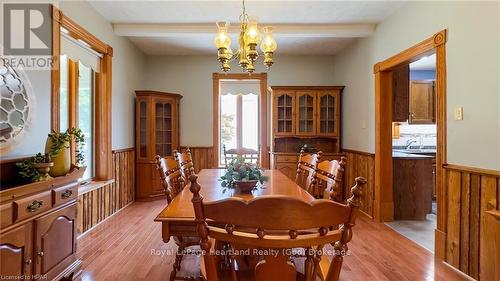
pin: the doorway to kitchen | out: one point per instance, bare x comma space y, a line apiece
385, 71
414, 140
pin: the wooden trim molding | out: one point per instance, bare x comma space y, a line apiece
384, 205
262, 77
54, 72
414, 53
364, 153
472, 170
103, 81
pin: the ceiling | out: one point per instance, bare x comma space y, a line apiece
188, 27
425, 63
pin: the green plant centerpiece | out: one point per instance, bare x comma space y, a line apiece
36, 168
242, 175
58, 147
57, 158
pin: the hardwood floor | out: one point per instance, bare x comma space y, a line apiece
128, 246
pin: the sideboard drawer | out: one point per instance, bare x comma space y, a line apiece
32, 205
6, 215
65, 193
287, 158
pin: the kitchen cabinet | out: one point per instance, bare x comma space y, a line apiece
401, 94
156, 133
422, 102
412, 186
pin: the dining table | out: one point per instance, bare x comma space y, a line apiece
178, 218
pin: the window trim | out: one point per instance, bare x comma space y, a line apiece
262, 77
102, 95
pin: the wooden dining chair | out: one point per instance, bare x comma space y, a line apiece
248, 155
172, 181
306, 169
185, 160
329, 180
274, 223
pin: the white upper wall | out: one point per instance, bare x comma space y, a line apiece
191, 76
473, 71
128, 69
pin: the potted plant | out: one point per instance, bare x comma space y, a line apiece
36, 168
244, 176
58, 147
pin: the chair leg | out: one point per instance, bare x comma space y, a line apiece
177, 264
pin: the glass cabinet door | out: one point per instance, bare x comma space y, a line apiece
327, 106
284, 110
306, 112
143, 129
163, 128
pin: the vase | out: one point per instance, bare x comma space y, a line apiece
246, 186
43, 169
62, 160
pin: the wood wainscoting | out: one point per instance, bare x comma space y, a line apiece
361, 164
470, 231
98, 201
202, 157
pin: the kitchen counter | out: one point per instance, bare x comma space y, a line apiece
404, 155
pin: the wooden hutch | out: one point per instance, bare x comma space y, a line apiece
156, 133
304, 115
38, 226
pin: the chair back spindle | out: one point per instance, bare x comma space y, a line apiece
306, 170
329, 179
185, 160
248, 155
171, 177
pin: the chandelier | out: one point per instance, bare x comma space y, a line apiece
249, 38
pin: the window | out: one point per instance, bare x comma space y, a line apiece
76, 100
81, 92
238, 115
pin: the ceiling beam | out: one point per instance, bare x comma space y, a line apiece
280, 30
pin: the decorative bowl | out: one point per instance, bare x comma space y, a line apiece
246, 186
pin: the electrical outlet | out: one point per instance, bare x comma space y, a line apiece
459, 113
363, 124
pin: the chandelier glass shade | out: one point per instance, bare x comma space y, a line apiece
249, 38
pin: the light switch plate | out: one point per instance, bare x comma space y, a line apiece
459, 113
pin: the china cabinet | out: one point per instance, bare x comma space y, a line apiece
304, 115
157, 133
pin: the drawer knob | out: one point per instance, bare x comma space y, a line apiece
28, 261
34, 206
67, 194
40, 253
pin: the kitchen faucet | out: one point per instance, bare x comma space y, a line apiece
409, 143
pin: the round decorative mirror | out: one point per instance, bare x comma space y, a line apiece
15, 106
